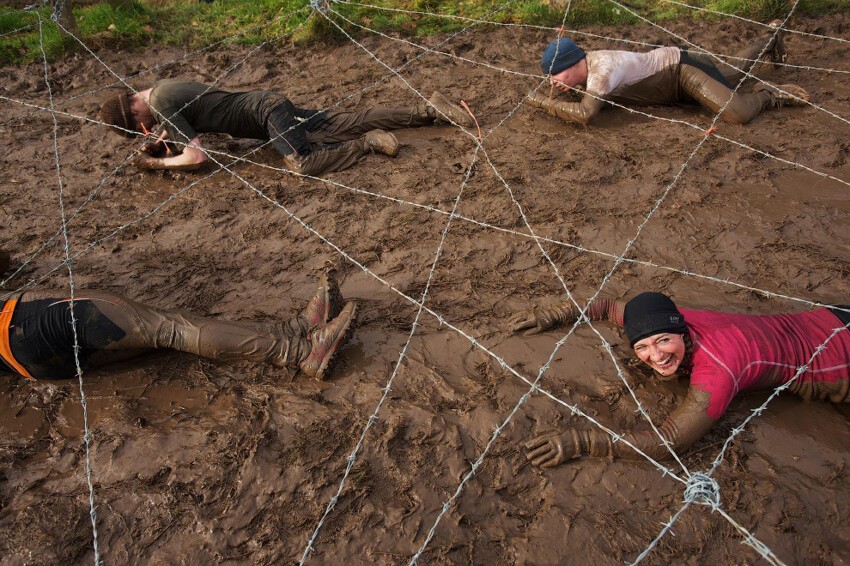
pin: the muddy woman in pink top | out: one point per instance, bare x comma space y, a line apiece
721, 354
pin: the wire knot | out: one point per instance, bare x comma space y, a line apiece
702, 489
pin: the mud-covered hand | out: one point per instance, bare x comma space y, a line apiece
549, 450
146, 161
542, 319
537, 100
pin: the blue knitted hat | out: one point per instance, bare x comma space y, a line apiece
561, 54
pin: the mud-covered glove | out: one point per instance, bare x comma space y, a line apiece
542, 319
550, 450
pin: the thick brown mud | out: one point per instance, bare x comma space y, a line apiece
196, 462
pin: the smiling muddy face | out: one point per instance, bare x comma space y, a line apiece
664, 353
656, 330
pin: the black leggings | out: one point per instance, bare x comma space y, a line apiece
41, 336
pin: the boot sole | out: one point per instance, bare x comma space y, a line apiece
334, 304
327, 361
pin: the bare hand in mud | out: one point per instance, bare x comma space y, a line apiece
155, 148
549, 450
530, 322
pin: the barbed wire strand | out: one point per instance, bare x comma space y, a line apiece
582, 316
93, 194
179, 143
545, 254
186, 55
763, 550
676, 121
755, 22
68, 259
747, 74
388, 387
374, 416
697, 127
83, 401
579, 32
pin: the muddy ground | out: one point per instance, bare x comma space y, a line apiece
197, 462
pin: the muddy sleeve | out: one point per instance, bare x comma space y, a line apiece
686, 424
171, 119
581, 112
599, 309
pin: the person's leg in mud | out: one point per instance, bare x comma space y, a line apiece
112, 328
713, 95
340, 126
325, 159
343, 126
744, 60
291, 131
771, 45
340, 139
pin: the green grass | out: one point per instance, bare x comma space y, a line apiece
191, 25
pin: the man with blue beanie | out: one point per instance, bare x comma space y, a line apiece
666, 75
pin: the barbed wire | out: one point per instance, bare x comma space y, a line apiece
550, 28
701, 129
545, 255
388, 387
579, 32
76, 341
672, 521
747, 74
755, 22
503, 363
728, 140
422, 308
186, 55
178, 143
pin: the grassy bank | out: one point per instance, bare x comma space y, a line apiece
192, 25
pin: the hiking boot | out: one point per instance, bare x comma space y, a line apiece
441, 108
776, 52
325, 340
325, 304
382, 141
784, 95
294, 163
